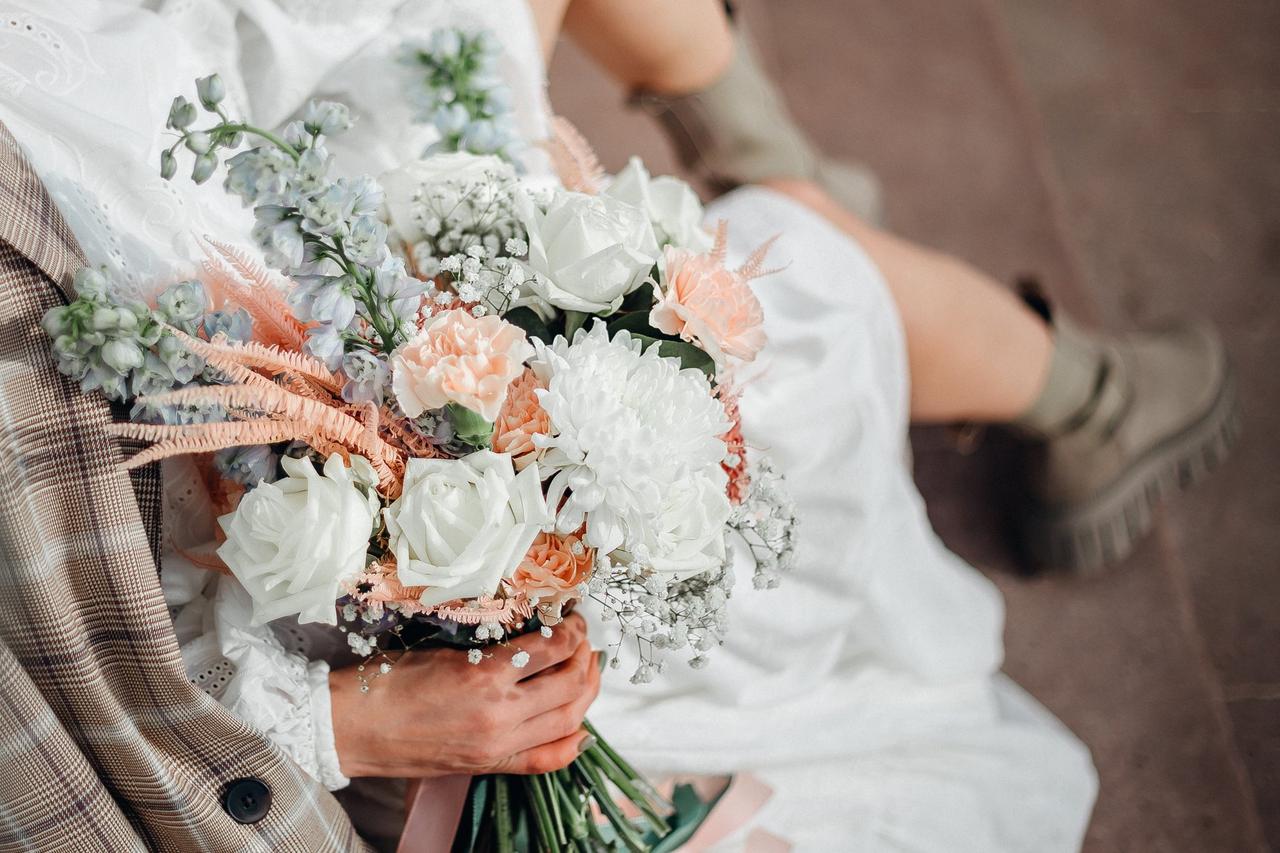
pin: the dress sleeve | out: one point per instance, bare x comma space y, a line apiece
244, 667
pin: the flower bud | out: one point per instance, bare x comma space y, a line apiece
203, 170
199, 142
90, 284
182, 113
210, 90
168, 164
105, 319
122, 356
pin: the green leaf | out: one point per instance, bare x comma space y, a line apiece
640, 299
635, 321
528, 320
689, 355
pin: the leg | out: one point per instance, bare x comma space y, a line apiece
976, 352
667, 46
686, 65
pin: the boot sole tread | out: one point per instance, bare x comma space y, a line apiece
1087, 538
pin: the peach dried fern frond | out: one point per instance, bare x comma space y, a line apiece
753, 266
573, 158
236, 277
262, 357
184, 439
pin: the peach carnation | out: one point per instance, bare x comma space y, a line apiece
706, 303
459, 358
520, 420
551, 572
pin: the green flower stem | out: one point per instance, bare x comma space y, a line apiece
600, 793
502, 815
541, 813
550, 782
566, 789
237, 127
637, 778
602, 765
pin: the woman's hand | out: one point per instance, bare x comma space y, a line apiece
436, 714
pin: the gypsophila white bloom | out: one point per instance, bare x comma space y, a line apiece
474, 656
627, 426
547, 632
520, 659
360, 644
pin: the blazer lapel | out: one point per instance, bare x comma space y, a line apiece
29, 220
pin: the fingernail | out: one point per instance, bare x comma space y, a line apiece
601, 661
586, 743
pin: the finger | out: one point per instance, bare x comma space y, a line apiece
559, 722
560, 684
546, 652
548, 757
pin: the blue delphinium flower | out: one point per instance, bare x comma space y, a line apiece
249, 465
367, 377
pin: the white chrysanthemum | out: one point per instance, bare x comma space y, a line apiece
627, 426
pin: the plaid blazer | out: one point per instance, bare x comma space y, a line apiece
104, 743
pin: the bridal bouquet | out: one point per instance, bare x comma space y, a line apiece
462, 403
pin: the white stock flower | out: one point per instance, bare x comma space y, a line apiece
588, 251
291, 543
672, 205
628, 427
462, 525
407, 185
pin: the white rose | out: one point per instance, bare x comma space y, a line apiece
588, 251
672, 205
291, 543
687, 536
460, 168
462, 525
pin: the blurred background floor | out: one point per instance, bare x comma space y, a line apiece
1124, 152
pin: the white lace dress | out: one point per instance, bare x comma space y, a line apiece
866, 691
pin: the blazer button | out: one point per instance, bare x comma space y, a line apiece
247, 800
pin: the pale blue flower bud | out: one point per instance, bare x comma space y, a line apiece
199, 142
210, 90
122, 355
446, 43
105, 318
204, 168
168, 164
56, 322
90, 284
181, 113
296, 134
451, 119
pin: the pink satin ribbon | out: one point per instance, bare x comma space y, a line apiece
435, 805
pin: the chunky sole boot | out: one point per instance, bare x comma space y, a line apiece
1161, 414
738, 131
